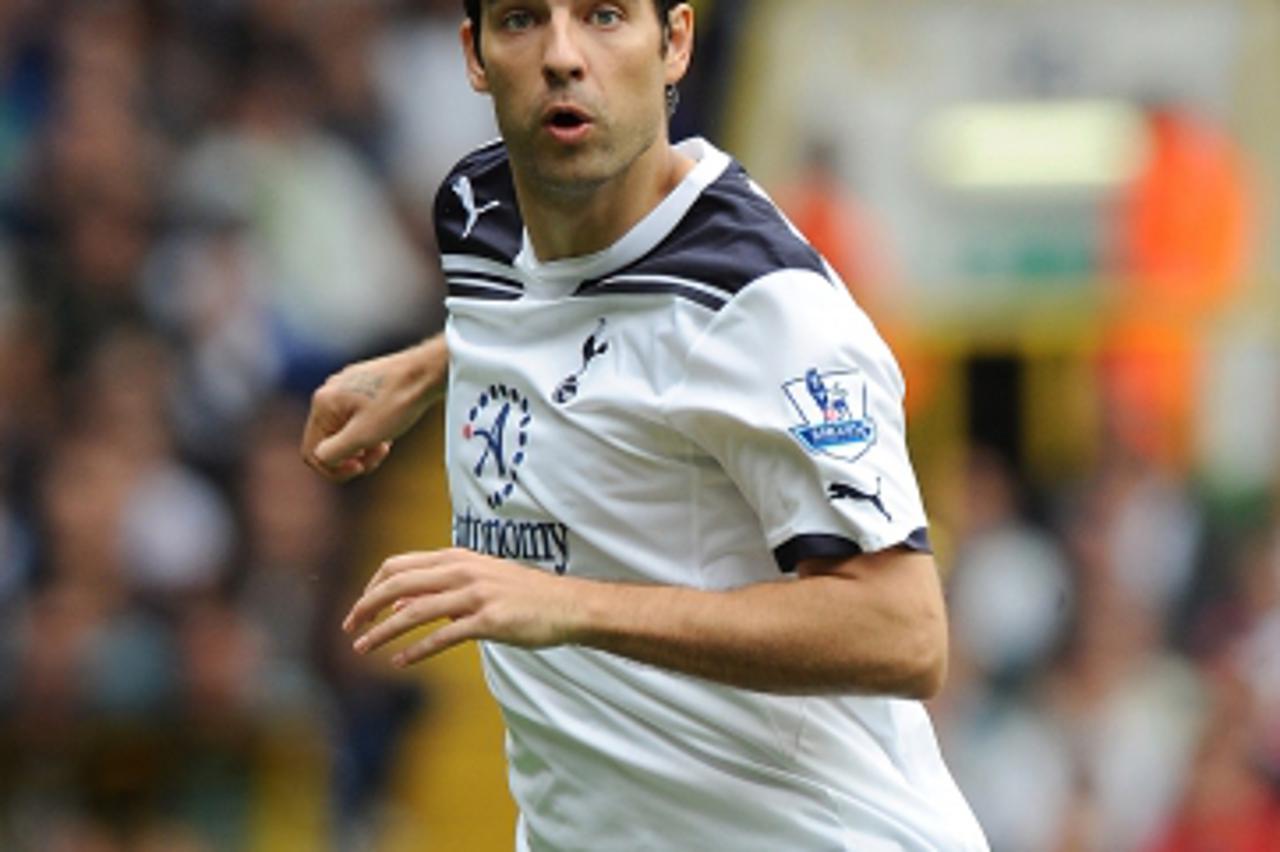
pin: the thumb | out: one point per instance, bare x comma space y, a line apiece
342, 445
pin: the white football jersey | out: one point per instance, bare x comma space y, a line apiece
701, 404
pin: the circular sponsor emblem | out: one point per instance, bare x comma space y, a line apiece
498, 425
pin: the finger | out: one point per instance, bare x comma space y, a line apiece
409, 584
400, 604
454, 633
314, 463
344, 444
342, 472
339, 473
373, 457
312, 434
423, 610
402, 562
393, 565
376, 453
326, 417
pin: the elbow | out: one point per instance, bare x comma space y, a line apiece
923, 666
926, 678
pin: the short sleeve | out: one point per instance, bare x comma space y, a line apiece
793, 392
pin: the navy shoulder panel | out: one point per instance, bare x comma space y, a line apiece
475, 210
731, 236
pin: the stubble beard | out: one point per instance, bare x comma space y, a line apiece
572, 173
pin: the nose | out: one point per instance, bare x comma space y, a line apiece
562, 61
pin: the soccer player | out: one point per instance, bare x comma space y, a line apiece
687, 532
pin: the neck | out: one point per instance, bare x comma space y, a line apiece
565, 223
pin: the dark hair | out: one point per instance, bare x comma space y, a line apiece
472, 8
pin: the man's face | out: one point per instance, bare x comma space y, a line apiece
577, 85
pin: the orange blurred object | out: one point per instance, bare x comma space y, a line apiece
1182, 245
1186, 222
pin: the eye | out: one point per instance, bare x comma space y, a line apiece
516, 20
605, 16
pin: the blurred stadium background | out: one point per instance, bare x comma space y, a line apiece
1060, 212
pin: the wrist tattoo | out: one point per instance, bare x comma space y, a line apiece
365, 384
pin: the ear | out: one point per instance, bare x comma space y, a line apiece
475, 65
679, 42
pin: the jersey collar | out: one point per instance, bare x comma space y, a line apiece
643, 237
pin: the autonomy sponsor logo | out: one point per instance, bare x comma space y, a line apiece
544, 543
496, 432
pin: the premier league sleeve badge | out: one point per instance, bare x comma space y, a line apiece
833, 411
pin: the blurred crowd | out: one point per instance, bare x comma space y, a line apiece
206, 206
1115, 659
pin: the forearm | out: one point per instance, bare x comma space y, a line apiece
431, 369
872, 624
813, 634
357, 413
400, 386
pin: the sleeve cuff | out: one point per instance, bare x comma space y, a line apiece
819, 545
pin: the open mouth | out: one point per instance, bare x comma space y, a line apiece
566, 119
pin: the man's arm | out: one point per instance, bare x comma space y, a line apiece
871, 624
359, 411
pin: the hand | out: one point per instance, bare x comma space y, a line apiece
483, 598
357, 413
